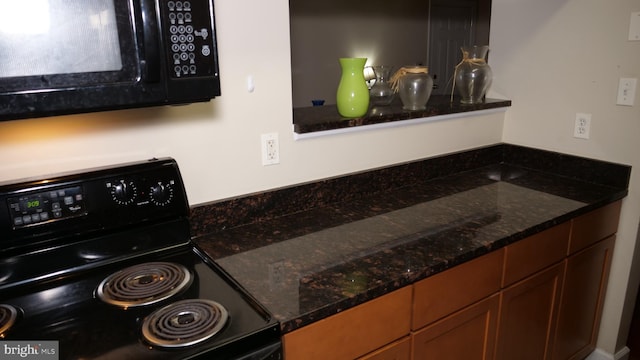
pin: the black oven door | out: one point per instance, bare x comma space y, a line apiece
271, 351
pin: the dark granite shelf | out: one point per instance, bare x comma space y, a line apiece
322, 118
343, 241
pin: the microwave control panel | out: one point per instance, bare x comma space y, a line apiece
190, 36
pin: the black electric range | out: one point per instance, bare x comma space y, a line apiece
99, 265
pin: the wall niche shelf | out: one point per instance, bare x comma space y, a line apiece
315, 121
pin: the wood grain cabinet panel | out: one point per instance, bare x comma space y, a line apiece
453, 289
594, 226
528, 311
399, 350
583, 292
353, 332
468, 334
535, 253
536, 299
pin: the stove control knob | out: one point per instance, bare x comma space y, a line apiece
124, 192
161, 194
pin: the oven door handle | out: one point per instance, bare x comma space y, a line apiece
151, 41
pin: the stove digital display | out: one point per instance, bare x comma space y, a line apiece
35, 203
46, 206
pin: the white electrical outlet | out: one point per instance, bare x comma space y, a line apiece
270, 149
583, 126
626, 91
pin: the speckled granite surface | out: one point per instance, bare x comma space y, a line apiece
310, 251
322, 118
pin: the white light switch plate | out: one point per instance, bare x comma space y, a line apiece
626, 91
634, 27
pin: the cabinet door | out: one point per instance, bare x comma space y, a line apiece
353, 332
399, 350
528, 316
468, 334
583, 291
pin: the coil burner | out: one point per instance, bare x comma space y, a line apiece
144, 284
88, 257
8, 316
184, 323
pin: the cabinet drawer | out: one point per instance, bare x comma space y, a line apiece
535, 253
453, 289
594, 226
399, 350
353, 332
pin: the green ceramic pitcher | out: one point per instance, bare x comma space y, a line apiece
352, 97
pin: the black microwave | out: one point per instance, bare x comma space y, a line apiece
72, 56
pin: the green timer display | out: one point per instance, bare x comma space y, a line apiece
46, 206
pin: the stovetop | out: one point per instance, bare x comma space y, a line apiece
67, 310
73, 245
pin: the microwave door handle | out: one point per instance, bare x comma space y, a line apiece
150, 31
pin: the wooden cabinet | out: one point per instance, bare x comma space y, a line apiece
533, 273
528, 316
440, 295
398, 350
454, 312
539, 298
468, 334
353, 332
530, 255
583, 293
594, 226
585, 282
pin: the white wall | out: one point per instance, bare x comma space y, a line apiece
556, 58
553, 58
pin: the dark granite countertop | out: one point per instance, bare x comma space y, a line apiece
322, 118
310, 251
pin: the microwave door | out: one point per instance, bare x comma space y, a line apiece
60, 41
69, 56
57, 43
74, 56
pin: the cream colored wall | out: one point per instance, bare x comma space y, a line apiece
552, 58
217, 144
557, 58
